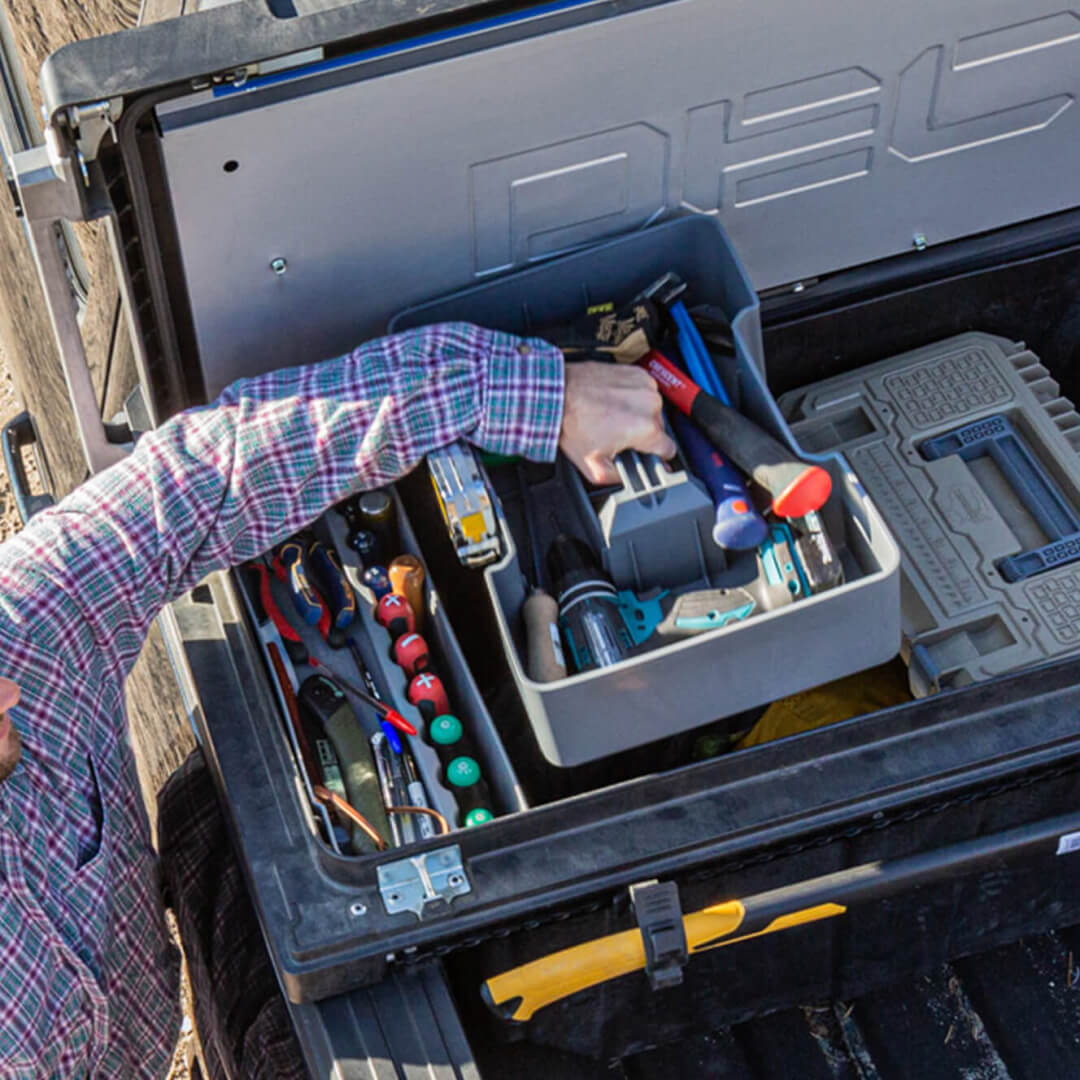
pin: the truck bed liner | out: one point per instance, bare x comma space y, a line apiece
1012, 1013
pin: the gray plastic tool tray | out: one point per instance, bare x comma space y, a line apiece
683, 685
966, 521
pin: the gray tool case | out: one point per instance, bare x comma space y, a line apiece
950, 441
281, 178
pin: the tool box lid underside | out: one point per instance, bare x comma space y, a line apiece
427, 147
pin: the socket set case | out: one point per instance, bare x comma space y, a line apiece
654, 535
279, 179
970, 451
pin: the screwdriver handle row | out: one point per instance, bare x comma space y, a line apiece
459, 763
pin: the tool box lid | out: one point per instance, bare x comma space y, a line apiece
309, 167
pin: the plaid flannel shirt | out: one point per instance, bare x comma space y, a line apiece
88, 979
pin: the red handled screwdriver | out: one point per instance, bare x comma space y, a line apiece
394, 613
427, 693
411, 654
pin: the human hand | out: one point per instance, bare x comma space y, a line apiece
608, 408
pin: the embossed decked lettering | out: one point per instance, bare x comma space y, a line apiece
554, 198
739, 151
943, 108
781, 140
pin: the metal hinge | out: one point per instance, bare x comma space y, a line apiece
88, 124
412, 884
660, 920
52, 178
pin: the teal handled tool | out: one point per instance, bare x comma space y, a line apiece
779, 581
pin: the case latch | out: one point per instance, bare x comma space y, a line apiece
660, 920
431, 879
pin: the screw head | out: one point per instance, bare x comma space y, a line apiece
455, 881
357, 909
279, 265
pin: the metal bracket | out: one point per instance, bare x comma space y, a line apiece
435, 877
237, 76
45, 244
20, 433
88, 126
660, 920
46, 183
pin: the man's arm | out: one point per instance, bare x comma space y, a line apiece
220, 484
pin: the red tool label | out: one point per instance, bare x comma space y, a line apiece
673, 384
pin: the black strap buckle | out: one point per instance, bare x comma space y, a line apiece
660, 920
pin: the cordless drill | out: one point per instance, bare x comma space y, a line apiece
589, 617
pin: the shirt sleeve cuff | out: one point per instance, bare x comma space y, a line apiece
522, 399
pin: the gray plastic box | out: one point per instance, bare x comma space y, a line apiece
962, 522
691, 682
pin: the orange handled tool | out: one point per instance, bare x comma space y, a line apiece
407, 579
520, 992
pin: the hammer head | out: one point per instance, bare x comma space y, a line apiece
665, 290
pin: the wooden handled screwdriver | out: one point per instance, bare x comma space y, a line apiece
796, 487
544, 660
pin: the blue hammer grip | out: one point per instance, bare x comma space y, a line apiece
738, 527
